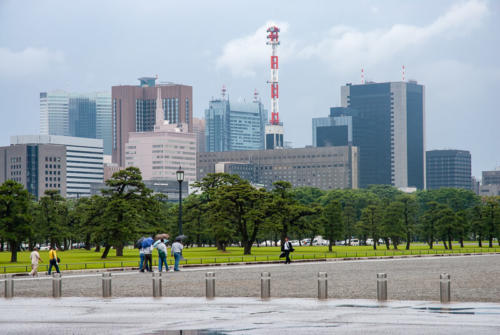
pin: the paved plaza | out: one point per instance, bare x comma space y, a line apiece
189, 316
473, 278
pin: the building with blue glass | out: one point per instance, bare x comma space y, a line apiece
386, 122
448, 168
79, 115
234, 126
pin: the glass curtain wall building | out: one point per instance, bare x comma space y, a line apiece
79, 115
234, 126
448, 168
386, 122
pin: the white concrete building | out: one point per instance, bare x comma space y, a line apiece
84, 160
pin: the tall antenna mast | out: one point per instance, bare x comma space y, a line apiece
273, 41
403, 72
224, 90
362, 76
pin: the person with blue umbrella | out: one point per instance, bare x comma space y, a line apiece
147, 246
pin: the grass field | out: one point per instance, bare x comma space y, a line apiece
83, 259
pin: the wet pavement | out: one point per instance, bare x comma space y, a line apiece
165, 316
473, 278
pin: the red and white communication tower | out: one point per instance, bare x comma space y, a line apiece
274, 130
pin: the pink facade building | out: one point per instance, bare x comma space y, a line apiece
160, 153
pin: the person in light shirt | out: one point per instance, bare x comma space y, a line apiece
176, 251
35, 258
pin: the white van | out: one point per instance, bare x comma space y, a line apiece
355, 242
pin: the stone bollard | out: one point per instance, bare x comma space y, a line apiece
322, 285
210, 285
381, 286
265, 285
157, 285
106, 285
9, 286
444, 288
56, 285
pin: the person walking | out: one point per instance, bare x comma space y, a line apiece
286, 249
162, 254
142, 257
35, 258
53, 259
148, 259
176, 251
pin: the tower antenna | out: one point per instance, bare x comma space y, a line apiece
403, 72
362, 76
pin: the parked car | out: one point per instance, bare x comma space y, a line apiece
369, 241
44, 248
295, 243
355, 242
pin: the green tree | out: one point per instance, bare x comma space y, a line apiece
369, 225
446, 225
126, 201
287, 211
393, 224
491, 217
410, 209
429, 222
52, 218
15, 219
333, 225
478, 223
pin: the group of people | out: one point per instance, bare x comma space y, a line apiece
35, 259
146, 255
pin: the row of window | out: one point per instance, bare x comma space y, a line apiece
15, 159
52, 166
52, 185
52, 159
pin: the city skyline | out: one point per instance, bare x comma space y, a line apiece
448, 47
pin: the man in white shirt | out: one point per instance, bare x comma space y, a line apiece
176, 251
35, 258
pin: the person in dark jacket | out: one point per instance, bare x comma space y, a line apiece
286, 249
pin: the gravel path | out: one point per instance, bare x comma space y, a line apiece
474, 278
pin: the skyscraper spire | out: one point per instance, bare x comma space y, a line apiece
160, 117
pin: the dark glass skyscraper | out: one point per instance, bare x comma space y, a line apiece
386, 122
448, 168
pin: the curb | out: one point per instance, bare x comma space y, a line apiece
25, 274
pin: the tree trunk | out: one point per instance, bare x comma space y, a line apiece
247, 249
450, 245
461, 242
330, 245
13, 250
408, 237
490, 241
480, 241
87, 242
374, 245
387, 243
119, 250
106, 251
444, 243
98, 248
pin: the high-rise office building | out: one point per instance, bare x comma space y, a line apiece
199, 130
78, 115
325, 168
448, 168
160, 152
39, 167
234, 126
83, 161
133, 110
386, 122
490, 183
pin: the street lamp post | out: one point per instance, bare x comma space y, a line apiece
180, 179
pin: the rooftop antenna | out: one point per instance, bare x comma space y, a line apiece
403, 70
362, 76
255, 95
223, 92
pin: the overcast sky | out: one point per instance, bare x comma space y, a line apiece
451, 47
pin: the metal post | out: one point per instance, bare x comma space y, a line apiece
157, 284
381, 286
322, 285
210, 285
9, 286
444, 288
106, 285
56, 285
180, 207
265, 285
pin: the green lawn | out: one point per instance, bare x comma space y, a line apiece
81, 259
